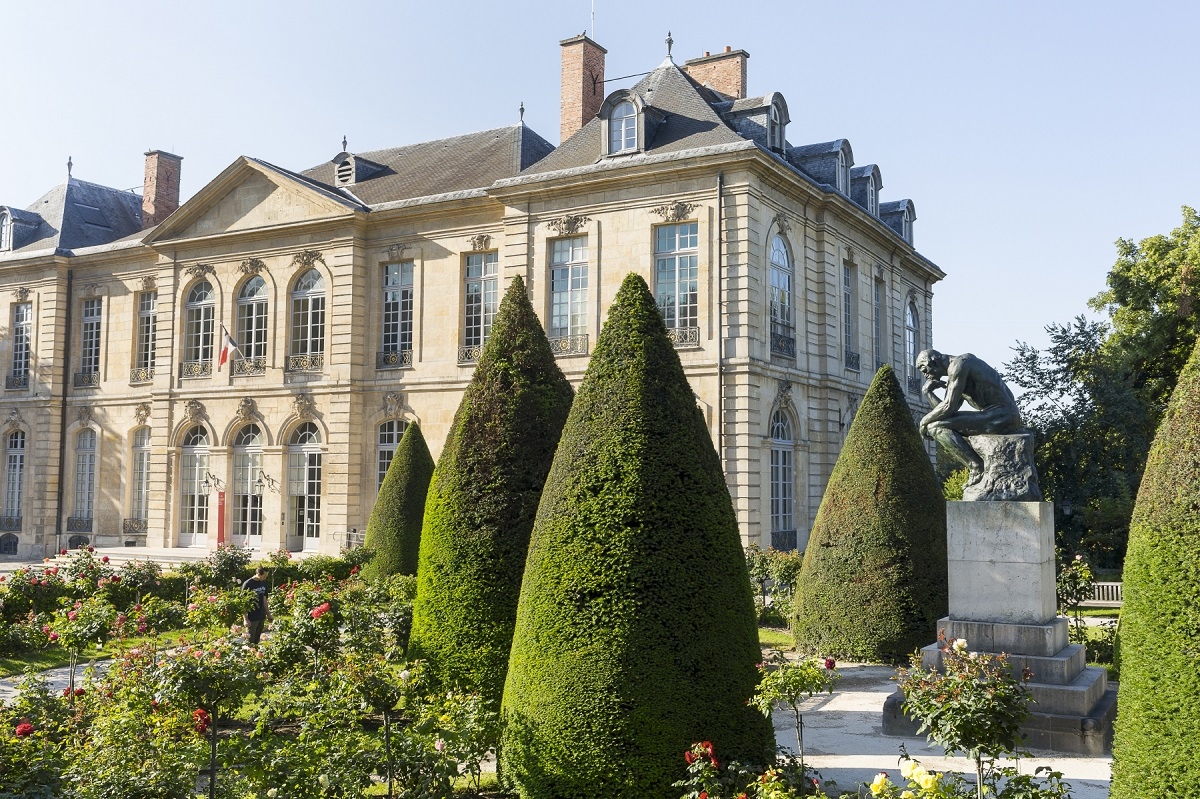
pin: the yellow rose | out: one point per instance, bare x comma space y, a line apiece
908, 767
881, 782
908, 795
928, 781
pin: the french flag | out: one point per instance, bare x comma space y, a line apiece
228, 348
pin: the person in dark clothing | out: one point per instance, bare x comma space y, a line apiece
260, 611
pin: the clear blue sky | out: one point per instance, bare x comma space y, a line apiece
1030, 135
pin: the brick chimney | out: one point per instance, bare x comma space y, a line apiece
582, 83
160, 190
725, 72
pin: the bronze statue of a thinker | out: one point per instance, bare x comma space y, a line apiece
965, 377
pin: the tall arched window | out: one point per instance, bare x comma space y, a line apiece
783, 331
247, 486
783, 482
139, 482
622, 128
14, 480
199, 319
194, 487
304, 485
389, 436
308, 323
8, 544
252, 327
912, 346
85, 481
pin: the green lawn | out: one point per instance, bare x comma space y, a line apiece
776, 638
57, 656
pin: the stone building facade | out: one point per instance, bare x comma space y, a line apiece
358, 293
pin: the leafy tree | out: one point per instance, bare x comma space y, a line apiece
394, 530
874, 582
1156, 751
1093, 431
482, 501
635, 633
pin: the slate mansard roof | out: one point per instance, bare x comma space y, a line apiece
473, 161
73, 215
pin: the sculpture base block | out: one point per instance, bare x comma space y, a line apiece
1009, 473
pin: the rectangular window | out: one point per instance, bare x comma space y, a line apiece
676, 274
140, 500
782, 491
22, 328
90, 362
247, 496
147, 332
14, 473
308, 325
482, 297
198, 334
568, 287
194, 495
252, 327
398, 307
880, 353
304, 487
848, 308
389, 436
85, 477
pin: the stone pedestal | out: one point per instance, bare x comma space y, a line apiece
1009, 473
1001, 559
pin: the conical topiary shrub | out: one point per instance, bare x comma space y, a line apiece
636, 632
1156, 750
394, 530
873, 583
482, 502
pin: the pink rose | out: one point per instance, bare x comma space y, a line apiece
53, 637
212, 599
72, 615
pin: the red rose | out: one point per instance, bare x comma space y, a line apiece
689, 757
63, 552
91, 549
116, 578
79, 692
704, 795
354, 570
23, 729
830, 663
66, 692
104, 559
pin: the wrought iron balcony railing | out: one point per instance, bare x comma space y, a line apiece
10, 524
783, 344
783, 540
17, 381
135, 527
394, 359
853, 360
87, 379
79, 524
195, 368
684, 336
569, 345
249, 366
312, 362
143, 374
469, 353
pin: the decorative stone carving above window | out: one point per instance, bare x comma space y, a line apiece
84, 415
193, 410
304, 407
14, 421
396, 250
142, 412
252, 266
306, 259
674, 212
90, 290
784, 395
782, 223
393, 404
247, 409
149, 283
200, 270
21, 293
568, 225
480, 243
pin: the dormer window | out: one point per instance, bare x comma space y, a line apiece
906, 230
6, 231
872, 197
843, 173
622, 128
775, 129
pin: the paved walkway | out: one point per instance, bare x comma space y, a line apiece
843, 736
843, 740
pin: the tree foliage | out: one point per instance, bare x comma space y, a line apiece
635, 633
394, 530
874, 581
482, 501
1156, 750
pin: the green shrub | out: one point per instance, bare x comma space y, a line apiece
873, 583
1156, 750
482, 501
394, 530
635, 633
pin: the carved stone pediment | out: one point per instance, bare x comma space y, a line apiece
480, 243
307, 259
568, 225
674, 212
252, 266
200, 270
150, 283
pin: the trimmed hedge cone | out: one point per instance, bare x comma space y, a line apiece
1156, 748
874, 581
636, 633
482, 501
394, 529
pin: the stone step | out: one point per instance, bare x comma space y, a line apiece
1077, 698
1039, 640
1060, 669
